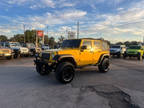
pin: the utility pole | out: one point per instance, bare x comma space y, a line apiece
43, 38
47, 30
78, 30
67, 33
24, 32
36, 39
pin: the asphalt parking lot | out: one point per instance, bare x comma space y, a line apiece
121, 87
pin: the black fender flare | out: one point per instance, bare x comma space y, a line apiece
65, 57
102, 58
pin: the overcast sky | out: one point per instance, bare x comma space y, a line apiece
115, 20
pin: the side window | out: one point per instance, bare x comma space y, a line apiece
0, 45
97, 44
88, 44
6, 44
105, 46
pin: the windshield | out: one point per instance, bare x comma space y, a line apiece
115, 46
134, 47
15, 44
71, 43
0, 45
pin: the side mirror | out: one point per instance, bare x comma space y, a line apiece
83, 47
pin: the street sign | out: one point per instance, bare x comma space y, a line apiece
40, 33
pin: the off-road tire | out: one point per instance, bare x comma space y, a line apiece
16, 56
104, 66
124, 56
27, 55
119, 55
65, 72
42, 70
9, 58
139, 57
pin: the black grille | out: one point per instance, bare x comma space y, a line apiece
131, 52
46, 56
32, 50
16, 50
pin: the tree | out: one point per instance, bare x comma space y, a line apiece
119, 43
61, 39
3, 38
134, 43
52, 42
18, 38
46, 40
30, 36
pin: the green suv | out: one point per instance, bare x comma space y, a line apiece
135, 51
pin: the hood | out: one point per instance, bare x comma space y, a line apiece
52, 50
31, 47
114, 48
5, 49
15, 48
132, 50
23, 48
61, 51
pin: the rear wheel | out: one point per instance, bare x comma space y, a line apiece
104, 66
65, 72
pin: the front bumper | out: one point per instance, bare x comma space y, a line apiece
24, 53
16, 52
40, 63
132, 55
5, 55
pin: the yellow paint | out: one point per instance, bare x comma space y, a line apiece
5, 51
88, 56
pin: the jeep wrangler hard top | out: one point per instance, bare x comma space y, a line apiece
135, 51
73, 54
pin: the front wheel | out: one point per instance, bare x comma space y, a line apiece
42, 70
65, 72
139, 57
124, 56
104, 66
8, 58
16, 56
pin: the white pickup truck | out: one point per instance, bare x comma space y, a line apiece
23, 50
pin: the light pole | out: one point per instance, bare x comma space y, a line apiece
24, 32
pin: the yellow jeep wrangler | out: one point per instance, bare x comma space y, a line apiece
6, 53
73, 54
